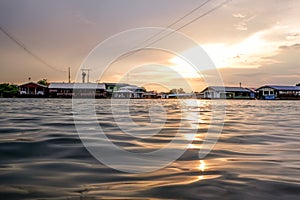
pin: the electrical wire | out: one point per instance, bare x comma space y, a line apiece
181, 27
23, 46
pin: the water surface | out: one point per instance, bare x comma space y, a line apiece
256, 157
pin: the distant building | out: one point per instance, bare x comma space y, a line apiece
32, 89
220, 92
68, 90
112, 87
199, 95
271, 92
162, 95
150, 95
129, 92
181, 96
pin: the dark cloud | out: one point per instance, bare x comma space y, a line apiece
294, 46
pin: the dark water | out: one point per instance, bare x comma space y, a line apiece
256, 157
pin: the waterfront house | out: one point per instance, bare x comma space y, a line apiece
112, 87
271, 92
129, 92
150, 95
162, 95
68, 90
199, 95
32, 89
220, 92
181, 96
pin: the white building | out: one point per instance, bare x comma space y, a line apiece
270, 92
129, 92
67, 90
220, 92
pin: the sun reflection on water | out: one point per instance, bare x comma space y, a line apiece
202, 165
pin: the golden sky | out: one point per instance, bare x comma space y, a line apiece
253, 42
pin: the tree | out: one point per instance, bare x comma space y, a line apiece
173, 91
177, 91
8, 90
43, 82
180, 91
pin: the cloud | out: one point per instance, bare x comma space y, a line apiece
81, 18
293, 36
238, 15
243, 24
294, 46
285, 71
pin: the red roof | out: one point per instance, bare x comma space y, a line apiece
32, 84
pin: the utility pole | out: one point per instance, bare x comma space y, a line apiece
84, 74
69, 75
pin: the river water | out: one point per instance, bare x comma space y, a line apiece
256, 156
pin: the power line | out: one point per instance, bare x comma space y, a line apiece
173, 31
169, 26
190, 22
204, 14
23, 46
178, 20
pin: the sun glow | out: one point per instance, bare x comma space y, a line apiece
182, 67
249, 53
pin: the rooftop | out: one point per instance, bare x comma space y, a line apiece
29, 83
282, 87
227, 89
76, 86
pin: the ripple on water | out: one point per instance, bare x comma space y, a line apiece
256, 157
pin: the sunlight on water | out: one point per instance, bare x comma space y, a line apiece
202, 165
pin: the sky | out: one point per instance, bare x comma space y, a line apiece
250, 42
